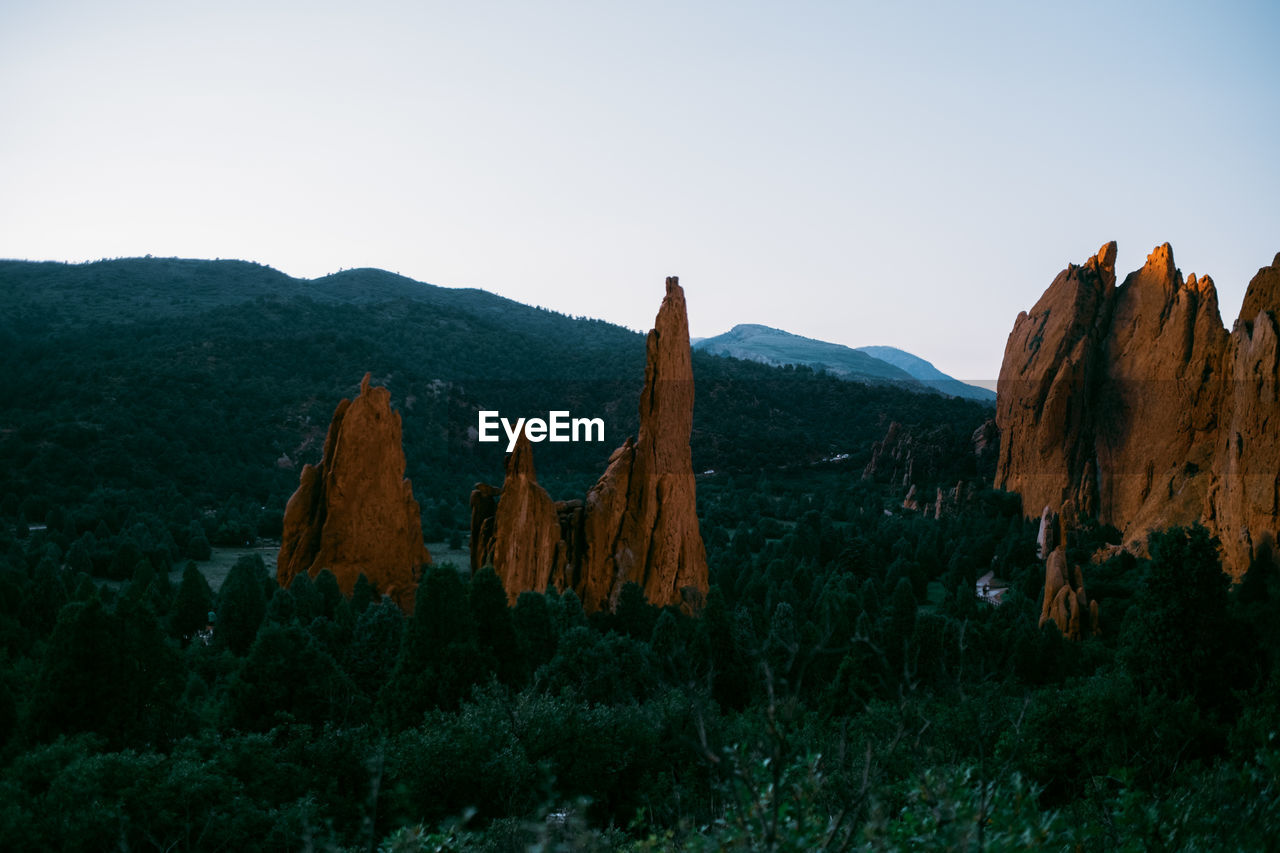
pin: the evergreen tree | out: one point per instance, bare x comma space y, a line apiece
900, 627
494, 631
287, 675
241, 605
326, 586
190, 611
532, 621
362, 595
375, 645
438, 661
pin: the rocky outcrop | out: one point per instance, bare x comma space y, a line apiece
638, 523
986, 447
892, 458
355, 512
526, 545
484, 506
1128, 401
1065, 601
912, 460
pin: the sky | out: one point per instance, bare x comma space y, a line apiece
907, 174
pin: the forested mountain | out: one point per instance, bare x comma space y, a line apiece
215, 381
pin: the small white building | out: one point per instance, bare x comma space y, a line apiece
990, 588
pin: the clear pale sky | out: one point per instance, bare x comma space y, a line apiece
911, 174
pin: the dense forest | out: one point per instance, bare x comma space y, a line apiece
844, 687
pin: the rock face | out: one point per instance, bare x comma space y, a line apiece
1134, 403
1065, 602
892, 458
639, 521
526, 545
355, 512
1244, 480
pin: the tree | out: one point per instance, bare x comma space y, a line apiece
494, 631
1182, 640
288, 675
901, 626
438, 660
190, 611
362, 595
375, 643
532, 621
241, 605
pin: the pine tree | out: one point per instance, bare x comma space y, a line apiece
190, 611
494, 630
241, 605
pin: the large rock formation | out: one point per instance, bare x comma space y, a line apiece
355, 512
638, 523
1134, 402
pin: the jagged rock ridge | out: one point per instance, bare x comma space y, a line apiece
355, 512
639, 521
1135, 404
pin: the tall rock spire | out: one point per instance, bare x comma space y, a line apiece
355, 512
652, 537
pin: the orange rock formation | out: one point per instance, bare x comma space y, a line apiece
1137, 405
1065, 601
355, 512
638, 523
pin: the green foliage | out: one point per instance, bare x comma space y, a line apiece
241, 605
288, 677
191, 608
439, 659
495, 630
1182, 638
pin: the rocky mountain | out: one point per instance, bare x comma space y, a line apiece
925, 373
354, 512
639, 522
876, 364
1135, 404
767, 345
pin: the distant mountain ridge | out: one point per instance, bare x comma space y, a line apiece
925, 372
875, 364
767, 345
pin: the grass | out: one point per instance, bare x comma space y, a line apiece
441, 553
216, 568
